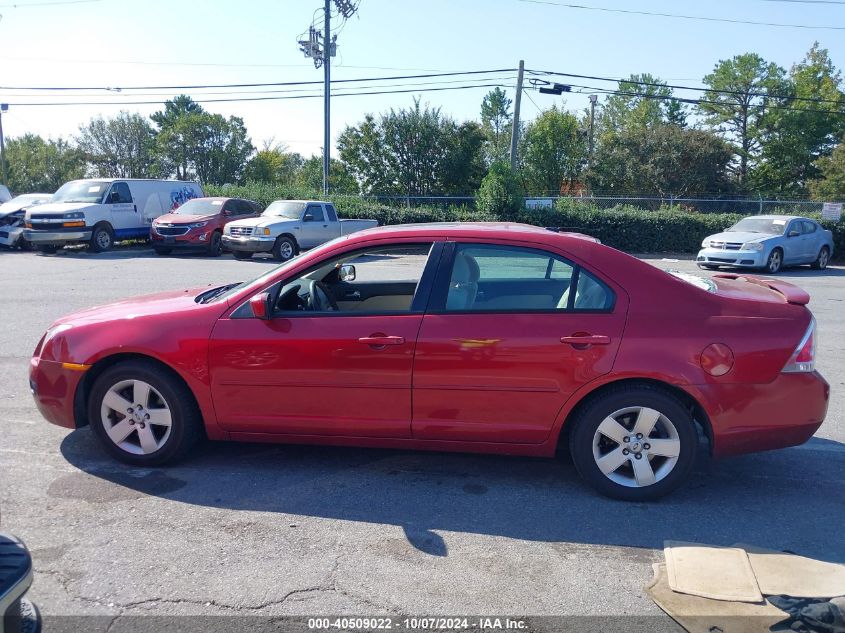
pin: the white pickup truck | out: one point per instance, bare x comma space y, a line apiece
287, 227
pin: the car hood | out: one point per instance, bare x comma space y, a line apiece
740, 237
159, 303
181, 218
263, 221
61, 207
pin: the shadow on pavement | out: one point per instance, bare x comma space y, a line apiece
790, 499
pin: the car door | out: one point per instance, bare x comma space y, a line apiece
122, 211
315, 226
812, 241
793, 242
511, 332
318, 371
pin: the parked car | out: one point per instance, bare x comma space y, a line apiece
17, 614
102, 211
198, 224
5, 194
769, 242
500, 338
287, 227
12, 218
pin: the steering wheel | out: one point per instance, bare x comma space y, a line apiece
318, 303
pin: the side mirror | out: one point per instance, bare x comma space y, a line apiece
347, 273
260, 305
307, 218
793, 234
227, 212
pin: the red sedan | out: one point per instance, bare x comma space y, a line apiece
499, 338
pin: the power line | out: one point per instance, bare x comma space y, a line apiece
263, 98
692, 88
256, 85
52, 3
682, 17
809, 1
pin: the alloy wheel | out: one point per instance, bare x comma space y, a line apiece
636, 447
775, 261
136, 417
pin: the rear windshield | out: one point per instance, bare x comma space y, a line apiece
90, 191
285, 209
695, 280
760, 225
200, 206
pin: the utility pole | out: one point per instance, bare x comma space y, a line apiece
515, 129
593, 99
327, 100
4, 107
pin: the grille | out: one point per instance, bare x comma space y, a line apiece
721, 260
726, 246
172, 230
240, 231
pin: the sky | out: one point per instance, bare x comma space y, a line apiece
126, 43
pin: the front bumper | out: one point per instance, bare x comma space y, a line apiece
54, 386
747, 418
9, 235
721, 257
55, 238
249, 244
180, 242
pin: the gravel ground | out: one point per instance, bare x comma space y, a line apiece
276, 530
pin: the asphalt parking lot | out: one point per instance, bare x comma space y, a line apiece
274, 530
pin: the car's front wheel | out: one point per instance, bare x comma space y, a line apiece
822, 260
215, 245
284, 249
634, 443
143, 414
102, 239
775, 262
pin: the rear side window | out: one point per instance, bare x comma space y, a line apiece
486, 277
809, 227
331, 213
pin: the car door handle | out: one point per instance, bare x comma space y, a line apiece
355, 294
379, 340
583, 340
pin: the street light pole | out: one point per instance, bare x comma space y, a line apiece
4, 107
516, 103
593, 99
327, 82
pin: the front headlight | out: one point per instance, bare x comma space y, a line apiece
74, 215
260, 231
753, 246
197, 225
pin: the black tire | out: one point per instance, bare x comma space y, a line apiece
162, 251
284, 249
215, 245
593, 414
47, 249
24, 244
774, 263
242, 254
186, 427
708, 267
102, 238
822, 260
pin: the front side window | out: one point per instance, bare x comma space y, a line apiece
315, 213
486, 277
120, 194
375, 280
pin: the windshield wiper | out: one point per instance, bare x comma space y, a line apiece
208, 295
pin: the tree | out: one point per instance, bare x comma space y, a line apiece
171, 145
640, 101
416, 151
36, 165
500, 192
274, 164
218, 148
663, 160
830, 185
740, 89
553, 152
806, 129
121, 147
310, 176
496, 123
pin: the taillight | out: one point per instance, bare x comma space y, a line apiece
803, 359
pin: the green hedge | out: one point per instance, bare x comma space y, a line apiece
623, 227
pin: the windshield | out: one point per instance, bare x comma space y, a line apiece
695, 280
285, 209
200, 206
760, 225
91, 191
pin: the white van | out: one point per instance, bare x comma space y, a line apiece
101, 211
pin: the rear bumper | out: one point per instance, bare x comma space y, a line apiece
15, 579
249, 244
740, 259
53, 387
53, 238
751, 418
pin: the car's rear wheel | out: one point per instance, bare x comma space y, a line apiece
284, 249
242, 254
775, 262
143, 415
634, 443
823, 259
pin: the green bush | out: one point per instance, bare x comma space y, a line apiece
501, 192
626, 228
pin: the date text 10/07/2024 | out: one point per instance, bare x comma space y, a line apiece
418, 623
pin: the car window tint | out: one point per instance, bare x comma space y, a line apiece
809, 227
124, 196
591, 294
316, 211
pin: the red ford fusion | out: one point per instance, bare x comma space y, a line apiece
498, 338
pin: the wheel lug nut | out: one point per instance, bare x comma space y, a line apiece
639, 436
130, 410
645, 446
638, 456
626, 439
147, 417
625, 451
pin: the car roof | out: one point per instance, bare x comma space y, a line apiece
305, 201
778, 217
508, 230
